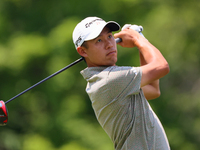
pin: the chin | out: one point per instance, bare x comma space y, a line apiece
112, 63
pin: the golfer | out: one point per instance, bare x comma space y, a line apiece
119, 94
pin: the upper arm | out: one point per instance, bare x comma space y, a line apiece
152, 90
151, 73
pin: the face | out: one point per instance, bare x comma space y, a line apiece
101, 51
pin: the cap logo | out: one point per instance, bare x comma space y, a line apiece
78, 41
87, 25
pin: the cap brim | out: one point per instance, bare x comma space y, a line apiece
113, 26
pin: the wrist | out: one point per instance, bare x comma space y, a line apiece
141, 43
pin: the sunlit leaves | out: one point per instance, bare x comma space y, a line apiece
36, 41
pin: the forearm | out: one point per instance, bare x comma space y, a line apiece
154, 65
150, 54
142, 63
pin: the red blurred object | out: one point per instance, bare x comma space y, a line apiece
3, 113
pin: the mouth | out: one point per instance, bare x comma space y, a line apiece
112, 52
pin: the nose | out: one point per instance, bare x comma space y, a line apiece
109, 44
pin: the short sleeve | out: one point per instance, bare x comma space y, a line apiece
124, 81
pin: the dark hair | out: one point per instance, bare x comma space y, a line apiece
85, 44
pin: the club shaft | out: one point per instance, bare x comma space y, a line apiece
63, 69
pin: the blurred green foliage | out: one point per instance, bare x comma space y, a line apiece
36, 41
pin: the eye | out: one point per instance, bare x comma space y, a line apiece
110, 36
99, 40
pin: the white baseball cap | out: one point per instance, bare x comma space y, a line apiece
89, 28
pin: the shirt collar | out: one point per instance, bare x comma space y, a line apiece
90, 71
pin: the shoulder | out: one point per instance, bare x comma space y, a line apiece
125, 71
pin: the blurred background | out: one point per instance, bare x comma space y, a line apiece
36, 41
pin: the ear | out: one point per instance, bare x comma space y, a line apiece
82, 51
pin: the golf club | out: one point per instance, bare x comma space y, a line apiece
3, 109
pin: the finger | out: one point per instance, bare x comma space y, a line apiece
126, 26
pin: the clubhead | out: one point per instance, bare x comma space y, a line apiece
3, 114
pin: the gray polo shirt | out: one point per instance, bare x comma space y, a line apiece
122, 110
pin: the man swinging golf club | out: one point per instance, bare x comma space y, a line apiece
119, 94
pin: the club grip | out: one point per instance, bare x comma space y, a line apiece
118, 40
